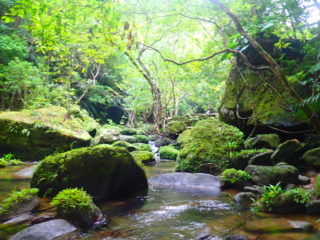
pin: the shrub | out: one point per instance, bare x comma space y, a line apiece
71, 199
233, 176
141, 138
16, 197
168, 152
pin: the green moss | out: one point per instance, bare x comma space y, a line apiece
34, 134
248, 153
168, 152
234, 176
94, 169
129, 131
143, 156
70, 199
10, 204
141, 138
122, 144
143, 147
176, 127
209, 142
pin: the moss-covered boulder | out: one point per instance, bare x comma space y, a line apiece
176, 127
143, 156
122, 144
34, 134
106, 136
129, 131
208, 144
263, 141
76, 206
168, 152
128, 138
143, 147
102, 171
266, 175
312, 157
141, 138
240, 159
288, 152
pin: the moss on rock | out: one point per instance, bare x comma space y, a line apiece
168, 152
129, 131
102, 171
34, 134
122, 144
312, 157
141, 138
143, 156
143, 147
209, 142
176, 127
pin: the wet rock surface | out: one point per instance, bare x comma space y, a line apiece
54, 229
198, 182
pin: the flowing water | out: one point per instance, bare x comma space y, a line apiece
163, 214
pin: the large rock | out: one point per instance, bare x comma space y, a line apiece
247, 101
106, 136
266, 175
51, 230
263, 159
272, 225
176, 127
208, 143
287, 152
34, 134
243, 200
198, 182
312, 157
102, 171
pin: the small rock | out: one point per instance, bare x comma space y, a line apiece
271, 225
243, 200
26, 172
312, 157
313, 208
263, 159
20, 219
47, 231
21, 208
237, 237
286, 151
254, 189
129, 139
266, 175
304, 180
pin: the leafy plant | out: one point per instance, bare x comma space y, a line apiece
72, 198
300, 195
269, 196
8, 159
16, 197
233, 176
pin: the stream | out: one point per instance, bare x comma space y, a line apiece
165, 213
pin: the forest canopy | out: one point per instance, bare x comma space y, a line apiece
143, 60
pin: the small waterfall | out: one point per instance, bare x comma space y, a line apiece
154, 149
